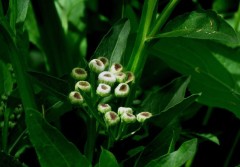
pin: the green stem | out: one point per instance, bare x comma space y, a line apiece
5, 129
13, 14
161, 20
91, 138
16, 141
229, 156
237, 22
1, 10
207, 116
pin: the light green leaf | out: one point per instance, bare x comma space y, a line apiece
201, 25
114, 42
214, 69
22, 8
177, 158
107, 159
52, 148
209, 137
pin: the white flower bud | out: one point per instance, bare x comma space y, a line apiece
107, 77
121, 77
83, 85
111, 118
79, 73
115, 68
103, 108
122, 90
128, 118
142, 116
96, 65
122, 110
130, 77
75, 98
104, 60
103, 90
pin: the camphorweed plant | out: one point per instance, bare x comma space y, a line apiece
62, 104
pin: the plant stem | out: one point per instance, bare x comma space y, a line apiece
237, 22
207, 116
226, 163
91, 138
161, 20
1, 10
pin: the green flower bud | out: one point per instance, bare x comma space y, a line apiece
103, 108
130, 77
121, 77
104, 60
111, 118
11, 124
79, 74
128, 118
122, 90
96, 65
116, 68
103, 90
75, 98
107, 77
142, 116
83, 85
122, 110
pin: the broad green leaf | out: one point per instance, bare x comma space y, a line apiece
9, 161
214, 69
177, 158
209, 137
52, 85
167, 96
107, 159
201, 25
159, 145
114, 42
52, 148
22, 8
6, 80
166, 116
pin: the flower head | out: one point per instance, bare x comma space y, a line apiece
107, 78
83, 85
122, 110
79, 73
130, 77
142, 116
116, 67
120, 76
103, 108
75, 97
128, 118
104, 60
103, 90
96, 65
122, 90
111, 118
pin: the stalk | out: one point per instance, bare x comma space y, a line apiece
5, 130
237, 22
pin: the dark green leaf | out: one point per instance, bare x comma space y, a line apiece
53, 85
214, 69
52, 148
107, 159
159, 145
201, 25
167, 96
6, 81
114, 42
177, 158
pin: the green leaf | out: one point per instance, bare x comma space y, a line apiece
114, 42
209, 137
201, 25
22, 8
52, 85
177, 158
52, 148
214, 69
167, 96
6, 80
107, 159
166, 138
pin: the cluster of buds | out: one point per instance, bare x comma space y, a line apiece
15, 114
108, 80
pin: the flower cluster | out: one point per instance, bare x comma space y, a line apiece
101, 80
